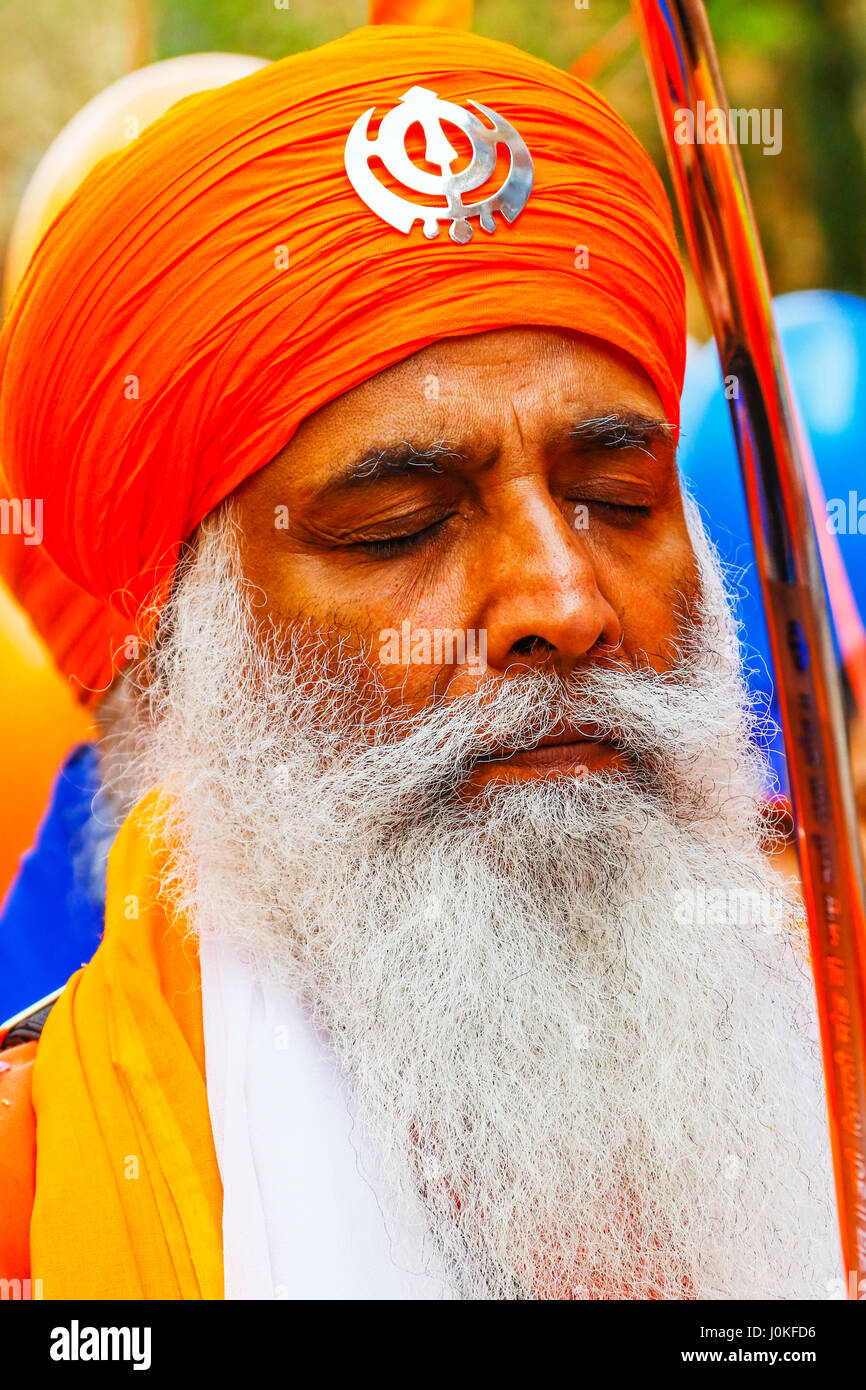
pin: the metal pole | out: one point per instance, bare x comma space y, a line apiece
726, 254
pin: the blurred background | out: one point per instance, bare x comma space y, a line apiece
807, 58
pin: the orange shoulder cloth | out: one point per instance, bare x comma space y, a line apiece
17, 1160
128, 1199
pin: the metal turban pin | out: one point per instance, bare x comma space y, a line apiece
423, 107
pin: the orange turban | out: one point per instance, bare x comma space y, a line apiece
216, 282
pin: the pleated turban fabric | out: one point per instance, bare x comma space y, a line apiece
212, 285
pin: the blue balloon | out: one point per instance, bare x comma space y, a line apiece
823, 338
52, 918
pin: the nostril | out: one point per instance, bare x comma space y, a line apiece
532, 646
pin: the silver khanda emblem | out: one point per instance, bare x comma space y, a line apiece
426, 109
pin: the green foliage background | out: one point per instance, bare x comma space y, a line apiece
807, 57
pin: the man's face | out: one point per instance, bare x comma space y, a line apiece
518, 488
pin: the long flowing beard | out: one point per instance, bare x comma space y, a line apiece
579, 1079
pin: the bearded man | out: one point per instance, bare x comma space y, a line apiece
440, 958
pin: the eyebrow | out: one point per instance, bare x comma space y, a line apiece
623, 430
397, 460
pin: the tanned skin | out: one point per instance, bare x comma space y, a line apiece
520, 482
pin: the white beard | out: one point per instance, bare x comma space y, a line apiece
583, 1082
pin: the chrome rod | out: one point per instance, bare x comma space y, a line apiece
725, 251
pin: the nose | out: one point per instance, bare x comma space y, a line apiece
544, 601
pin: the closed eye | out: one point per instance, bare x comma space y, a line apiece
386, 547
626, 512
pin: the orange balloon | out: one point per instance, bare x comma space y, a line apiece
40, 722
453, 14
111, 121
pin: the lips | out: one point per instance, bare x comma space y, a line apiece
578, 751
584, 734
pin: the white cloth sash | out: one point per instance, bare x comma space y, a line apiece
300, 1219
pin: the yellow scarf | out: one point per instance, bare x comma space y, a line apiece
128, 1194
